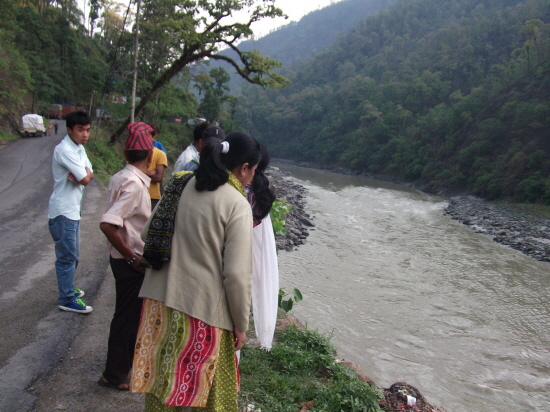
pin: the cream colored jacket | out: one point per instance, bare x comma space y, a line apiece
209, 276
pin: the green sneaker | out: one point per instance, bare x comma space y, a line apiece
78, 293
77, 306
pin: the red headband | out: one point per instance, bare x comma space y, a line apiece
139, 138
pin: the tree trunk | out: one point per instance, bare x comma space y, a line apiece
176, 67
136, 50
155, 109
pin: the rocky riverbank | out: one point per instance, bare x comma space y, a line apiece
511, 225
298, 222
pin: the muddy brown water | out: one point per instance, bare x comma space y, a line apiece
411, 295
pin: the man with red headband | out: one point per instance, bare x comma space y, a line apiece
128, 209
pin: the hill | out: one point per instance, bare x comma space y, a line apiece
315, 32
452, 95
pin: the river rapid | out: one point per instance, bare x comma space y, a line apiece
408, 294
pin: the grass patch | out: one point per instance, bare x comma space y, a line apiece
7, 137
302, 368
537, 210
106, 159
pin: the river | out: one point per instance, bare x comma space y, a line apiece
408, 294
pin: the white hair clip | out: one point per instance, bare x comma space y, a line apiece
225, 147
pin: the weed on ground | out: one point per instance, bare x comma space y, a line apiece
301, 373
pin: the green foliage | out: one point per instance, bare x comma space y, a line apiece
171, 101
197, 31
452, 95
48, 56
14, 84
106, 159
288, 304
277, 213
65, 66
7, 137
301, 367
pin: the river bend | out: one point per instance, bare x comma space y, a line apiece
411, 295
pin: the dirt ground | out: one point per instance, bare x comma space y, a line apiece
72, 385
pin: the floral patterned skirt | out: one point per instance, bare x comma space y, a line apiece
181, 361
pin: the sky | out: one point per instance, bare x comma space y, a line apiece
294, 9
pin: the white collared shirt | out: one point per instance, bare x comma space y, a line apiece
188, 160
66, 198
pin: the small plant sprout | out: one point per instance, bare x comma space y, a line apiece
277, 213
287, 304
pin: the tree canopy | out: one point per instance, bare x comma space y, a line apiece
197, 30
451, 95
49, 56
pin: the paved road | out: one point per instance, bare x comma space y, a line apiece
49, 359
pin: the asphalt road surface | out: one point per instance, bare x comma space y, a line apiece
50, 360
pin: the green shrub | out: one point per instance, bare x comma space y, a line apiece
106, 159
287, 304
277, 213
301, 367
7, 137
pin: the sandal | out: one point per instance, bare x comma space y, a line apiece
103, 382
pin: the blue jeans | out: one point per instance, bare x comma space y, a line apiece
66, 236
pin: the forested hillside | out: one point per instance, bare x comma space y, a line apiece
53, 53
43, 55
48, 56
450, 94
315, 32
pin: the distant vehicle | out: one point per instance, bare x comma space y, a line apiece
60, 111
174, 120
102, 114
195, 121
68, 108
33, 125
55, 111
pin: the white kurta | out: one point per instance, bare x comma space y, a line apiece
265, 282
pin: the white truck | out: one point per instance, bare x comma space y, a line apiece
33, 125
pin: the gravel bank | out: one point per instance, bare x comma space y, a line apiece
298, 222
510, 225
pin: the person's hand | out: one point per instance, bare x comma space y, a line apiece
136, 264
71, 177
240, 338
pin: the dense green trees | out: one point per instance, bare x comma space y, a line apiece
49, 56
200, 28
450, 94
15, 80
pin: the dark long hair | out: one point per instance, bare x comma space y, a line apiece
260, 185
214, 165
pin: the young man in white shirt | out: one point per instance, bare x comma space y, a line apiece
72, 171
188, 159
